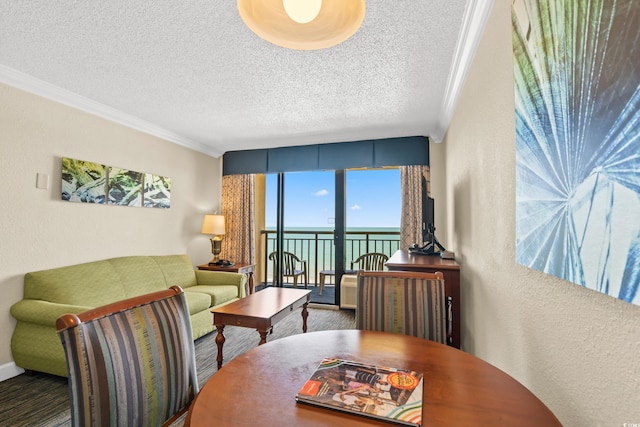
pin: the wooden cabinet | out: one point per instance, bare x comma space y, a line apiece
403, 260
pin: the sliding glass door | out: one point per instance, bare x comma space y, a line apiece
325, 220
300, 209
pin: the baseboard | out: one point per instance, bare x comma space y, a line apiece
323, 306
9, 370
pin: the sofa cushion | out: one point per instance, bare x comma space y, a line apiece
197, 302
177, 270
90, 284
217, 294
139, 275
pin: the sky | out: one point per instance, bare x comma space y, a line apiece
373, 199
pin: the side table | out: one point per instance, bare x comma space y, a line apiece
238, 267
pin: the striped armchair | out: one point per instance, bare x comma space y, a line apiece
403, 302
131, 363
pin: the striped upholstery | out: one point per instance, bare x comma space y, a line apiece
407, 303
131, 363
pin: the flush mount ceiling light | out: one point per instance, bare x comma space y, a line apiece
303, 24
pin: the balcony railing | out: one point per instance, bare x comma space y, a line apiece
316, 247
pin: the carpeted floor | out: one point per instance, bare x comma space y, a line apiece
328, 295
42, 400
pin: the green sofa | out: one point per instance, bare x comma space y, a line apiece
50, 293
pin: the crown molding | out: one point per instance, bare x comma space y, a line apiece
474, 21
39, 87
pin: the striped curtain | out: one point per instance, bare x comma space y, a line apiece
238, 198
404, 305
411, 215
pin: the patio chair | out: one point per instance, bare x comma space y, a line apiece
131, 363
368, 261
292, 266
403, 302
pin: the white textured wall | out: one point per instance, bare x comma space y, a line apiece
576, 349
39, 231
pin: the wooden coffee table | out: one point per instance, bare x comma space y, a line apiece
261, 311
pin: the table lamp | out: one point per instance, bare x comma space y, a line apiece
214, 224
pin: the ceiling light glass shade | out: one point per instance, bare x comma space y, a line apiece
336, 21
302, 11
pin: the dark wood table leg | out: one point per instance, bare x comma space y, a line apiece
305, 314
220, 342
263, 336
251, 288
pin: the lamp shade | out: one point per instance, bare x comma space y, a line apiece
336, 21
213, 224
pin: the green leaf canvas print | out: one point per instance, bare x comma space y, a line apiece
157, 191
84, 182
125, 187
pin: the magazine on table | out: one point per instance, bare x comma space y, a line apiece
384, 393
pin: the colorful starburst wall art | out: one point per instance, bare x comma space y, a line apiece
577, 97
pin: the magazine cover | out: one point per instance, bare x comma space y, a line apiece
388, 394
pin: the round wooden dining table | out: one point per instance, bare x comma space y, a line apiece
258, 388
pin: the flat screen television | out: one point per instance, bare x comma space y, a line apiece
428, 220
430, 245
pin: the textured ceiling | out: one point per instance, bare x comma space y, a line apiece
193, 73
